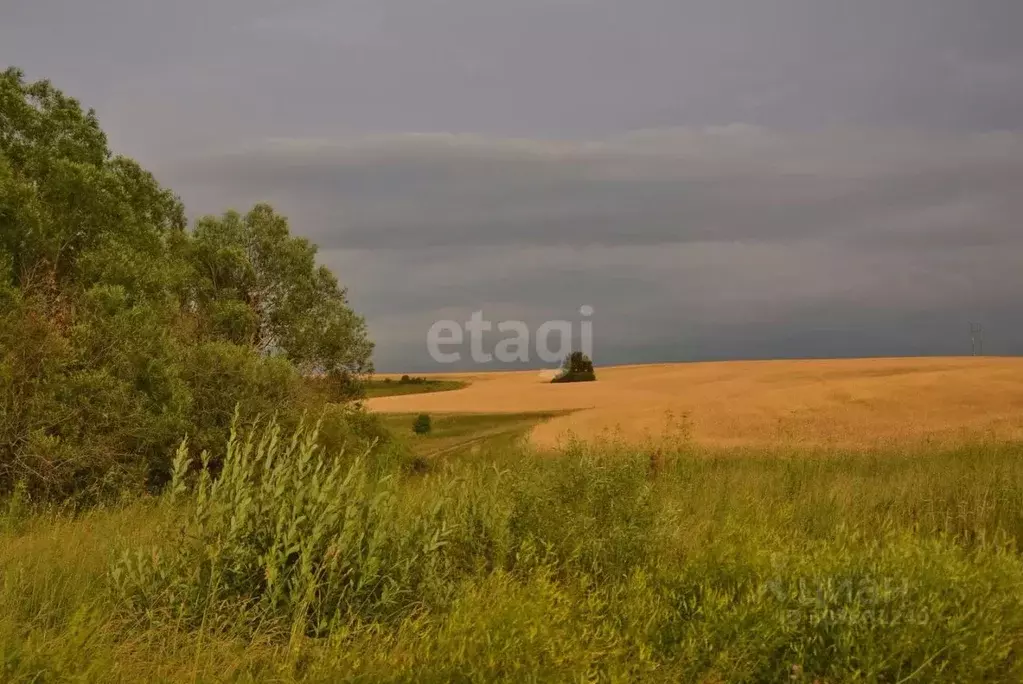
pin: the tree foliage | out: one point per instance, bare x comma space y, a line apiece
422, 424
577, 367
260, 286
120, 328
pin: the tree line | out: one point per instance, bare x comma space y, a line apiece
122, 328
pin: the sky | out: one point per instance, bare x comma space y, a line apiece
716, 178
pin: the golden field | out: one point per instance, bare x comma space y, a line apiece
840, 403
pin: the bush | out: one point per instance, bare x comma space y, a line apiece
577, 368
91, 403
346, 429
422, 424
285, 533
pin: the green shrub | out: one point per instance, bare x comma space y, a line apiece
577, 367
422, 424
90, 403
347, 429
224, 377
289, 535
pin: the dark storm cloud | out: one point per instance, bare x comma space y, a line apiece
701, 299
191, 73
732, 183
453, 155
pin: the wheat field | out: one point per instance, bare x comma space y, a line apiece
846, 403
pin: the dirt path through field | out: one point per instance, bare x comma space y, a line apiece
848, 402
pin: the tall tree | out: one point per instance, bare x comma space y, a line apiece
66, 203
120, 329
261, 285
88, 378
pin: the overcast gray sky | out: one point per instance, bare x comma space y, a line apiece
717, 178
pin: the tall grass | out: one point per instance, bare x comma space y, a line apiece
602, 562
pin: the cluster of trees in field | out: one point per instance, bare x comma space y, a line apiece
577, 367
122, 328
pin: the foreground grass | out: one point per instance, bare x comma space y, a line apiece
598, 562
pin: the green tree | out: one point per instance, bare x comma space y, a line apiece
121, 330
577, 367
88, 381
578, 362
260, 285
69, 209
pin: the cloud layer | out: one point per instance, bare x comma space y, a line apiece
171, 75
690, 243
871, 206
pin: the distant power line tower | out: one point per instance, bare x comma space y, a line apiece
977, 339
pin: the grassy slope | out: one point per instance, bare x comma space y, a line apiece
742, 566
379, 388
454, 435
